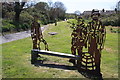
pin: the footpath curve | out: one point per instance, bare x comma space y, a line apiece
17, 36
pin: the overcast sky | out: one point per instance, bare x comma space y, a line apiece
82, 5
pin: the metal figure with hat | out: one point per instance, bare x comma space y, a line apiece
96, 38
36, 34
78, 38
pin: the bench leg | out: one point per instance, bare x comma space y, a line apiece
79, 64
34, 56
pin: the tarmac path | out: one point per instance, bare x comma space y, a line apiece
17, 36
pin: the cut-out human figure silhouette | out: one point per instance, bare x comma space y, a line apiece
78, 38
96, 38
91, 37
36, 34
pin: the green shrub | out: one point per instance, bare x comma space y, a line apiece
10, 15
25, 26
43, 20
112, 20
25, 17
115, 30
7, 26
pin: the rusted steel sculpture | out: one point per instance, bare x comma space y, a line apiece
78, 38
91, 37
36, 34
96, 38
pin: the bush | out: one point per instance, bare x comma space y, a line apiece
25, 26
7, 26
43, 19
10, 15
115, 30
112, 20
26, 17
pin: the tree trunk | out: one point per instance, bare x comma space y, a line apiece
17, 16
18, 8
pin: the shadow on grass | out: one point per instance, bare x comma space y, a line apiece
59, 66
87, 74
91, 75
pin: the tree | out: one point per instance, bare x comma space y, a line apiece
77, 12
7, 8
50, 3
43, 10
103, 10
117, 9
0, 10
118, 6
29, 4
59, 10
42, 6
18, 8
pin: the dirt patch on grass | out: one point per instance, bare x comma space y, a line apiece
110, 50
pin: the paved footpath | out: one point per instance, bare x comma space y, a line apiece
17, 36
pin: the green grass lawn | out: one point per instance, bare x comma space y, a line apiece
16, 56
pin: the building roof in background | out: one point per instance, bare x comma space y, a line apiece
107, 12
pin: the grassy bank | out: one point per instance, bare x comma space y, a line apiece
16, 56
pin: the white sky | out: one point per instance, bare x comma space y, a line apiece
83, 5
